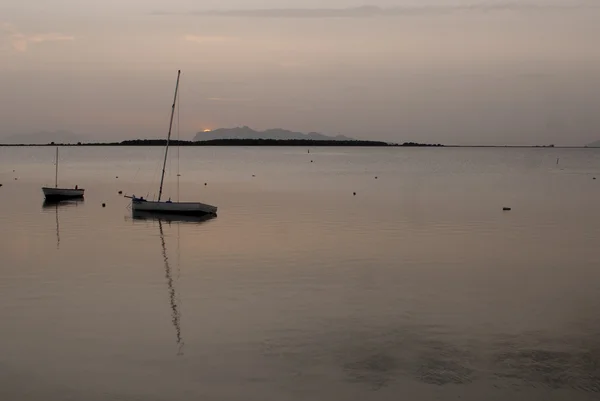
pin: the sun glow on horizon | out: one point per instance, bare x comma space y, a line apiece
206, 130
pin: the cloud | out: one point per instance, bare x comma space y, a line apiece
366, 11
374, 11
228, 99
206, 39
20, 41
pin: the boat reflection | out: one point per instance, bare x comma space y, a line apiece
172, 293
56, 204
175, 312
168, 218
161, 218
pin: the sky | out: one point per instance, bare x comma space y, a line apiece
443, 71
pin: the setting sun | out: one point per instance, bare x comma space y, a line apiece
207, 130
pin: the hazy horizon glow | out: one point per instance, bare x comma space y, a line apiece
454, 72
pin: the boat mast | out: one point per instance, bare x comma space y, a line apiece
169, 136
56, 174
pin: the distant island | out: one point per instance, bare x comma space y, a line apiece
239, 136
275, 133
254, 142
238, 142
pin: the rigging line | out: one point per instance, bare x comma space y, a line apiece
154, 174
178, 143
136, 173
169, 183
169, 136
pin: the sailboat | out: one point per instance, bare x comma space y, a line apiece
168, 207
57, 193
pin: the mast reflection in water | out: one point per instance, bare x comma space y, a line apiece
173, 300
56, 204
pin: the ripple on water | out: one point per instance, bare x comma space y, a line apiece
554, 369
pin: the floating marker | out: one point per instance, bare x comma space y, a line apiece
375, 177
506, 208
354, 193
204, 184
104, 205
120, 192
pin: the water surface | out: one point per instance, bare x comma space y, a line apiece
418, 287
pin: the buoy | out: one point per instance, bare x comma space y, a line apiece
104, 205
253, 175
311, 161
204, 184
354, 193
506, 208
0, 185
117, 177
375, 177
16, 178
120, 192
594, 178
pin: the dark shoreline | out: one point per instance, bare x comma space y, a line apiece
287, 143
237, 142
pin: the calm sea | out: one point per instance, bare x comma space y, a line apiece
418, 287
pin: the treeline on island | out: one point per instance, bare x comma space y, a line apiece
252, 142
239, 142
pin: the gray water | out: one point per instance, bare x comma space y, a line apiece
419, 287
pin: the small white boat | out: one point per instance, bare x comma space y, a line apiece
66, 193
169, 207
57, 193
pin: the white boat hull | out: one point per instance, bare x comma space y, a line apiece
62, 193
180, 208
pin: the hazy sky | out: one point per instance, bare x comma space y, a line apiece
450, 71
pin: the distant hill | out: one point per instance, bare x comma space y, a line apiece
43, 137
277, 133
594, 145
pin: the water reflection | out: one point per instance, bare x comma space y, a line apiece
175, 313
56, 204
50, 204
170, 218
173, 299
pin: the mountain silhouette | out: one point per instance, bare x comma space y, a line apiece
593, 145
